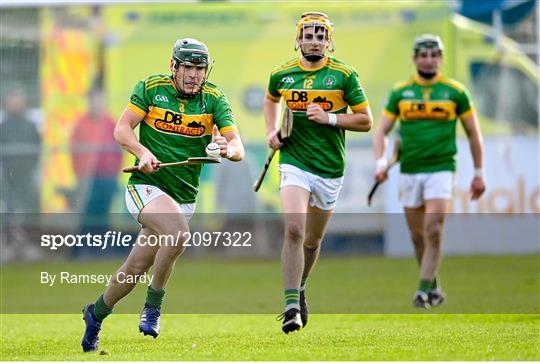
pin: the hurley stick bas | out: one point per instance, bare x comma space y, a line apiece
284, 132
189, 161
393, 161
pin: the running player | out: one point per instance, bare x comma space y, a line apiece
319, 89
428, 106
177, 115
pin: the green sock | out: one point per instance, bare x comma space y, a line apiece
154, 298
434, 283
292, 299
101, 310
303, 284
425, 285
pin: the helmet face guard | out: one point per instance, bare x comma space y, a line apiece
188, 53
314, 30
428, 45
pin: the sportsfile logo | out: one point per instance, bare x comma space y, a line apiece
111, 239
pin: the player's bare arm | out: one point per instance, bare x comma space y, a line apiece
381, 145
125, 136
360, 120
271, 110
476, 144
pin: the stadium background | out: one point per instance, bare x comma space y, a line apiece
58, 53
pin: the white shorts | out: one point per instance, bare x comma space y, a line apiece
324, 192
139, 195
414, 189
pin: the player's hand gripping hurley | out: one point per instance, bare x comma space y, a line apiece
284, 132
393, 161
189, 161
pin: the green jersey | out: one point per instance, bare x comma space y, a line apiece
174, 129
316, 148
428, 112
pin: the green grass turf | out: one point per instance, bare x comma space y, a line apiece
376, 287
258, 337
476, 284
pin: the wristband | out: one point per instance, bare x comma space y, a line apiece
381, 163
332, 119
479, 172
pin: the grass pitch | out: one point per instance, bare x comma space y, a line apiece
492, 313
257, 337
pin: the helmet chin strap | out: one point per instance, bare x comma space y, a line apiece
313, 58
426, 75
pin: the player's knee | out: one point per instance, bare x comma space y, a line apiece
172, 252
294, 232
313, 243
138, 268
172, 241
417, 238
176, 235
178, 244
433, 231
